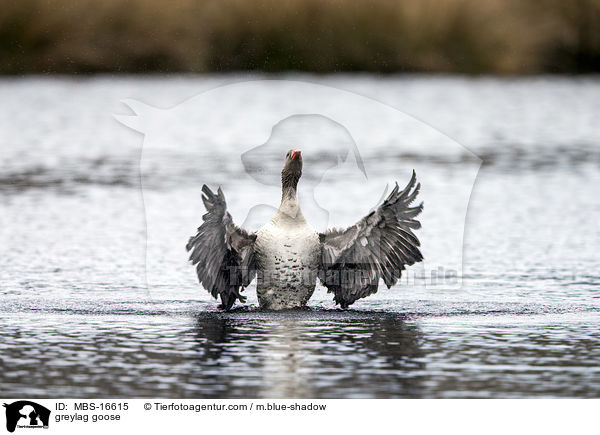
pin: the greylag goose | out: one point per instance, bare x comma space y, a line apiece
287, 255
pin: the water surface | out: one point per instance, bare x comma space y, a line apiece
79, 321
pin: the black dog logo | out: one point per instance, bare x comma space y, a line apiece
27, 414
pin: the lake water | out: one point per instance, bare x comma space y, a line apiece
78, 319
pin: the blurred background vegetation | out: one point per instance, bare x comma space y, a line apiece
456, 36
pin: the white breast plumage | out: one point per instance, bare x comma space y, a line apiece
287, 250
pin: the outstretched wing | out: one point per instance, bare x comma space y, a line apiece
222, 252
380, 245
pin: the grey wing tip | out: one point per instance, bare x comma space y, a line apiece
207, 196
221, 195
190, 244
413, 178
393, 193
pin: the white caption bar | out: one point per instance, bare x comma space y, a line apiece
96, 416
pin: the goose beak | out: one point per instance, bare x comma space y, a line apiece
296, 154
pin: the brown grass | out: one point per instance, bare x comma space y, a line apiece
466, 36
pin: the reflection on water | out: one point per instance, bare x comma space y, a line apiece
243, 354
318, 354
313, 353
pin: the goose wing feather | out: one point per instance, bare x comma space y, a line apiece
222, 252
379, 246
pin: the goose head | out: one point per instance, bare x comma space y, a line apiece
292, 171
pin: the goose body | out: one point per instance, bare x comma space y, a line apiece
287, 255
